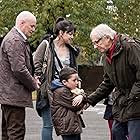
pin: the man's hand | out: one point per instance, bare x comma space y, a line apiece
87, 105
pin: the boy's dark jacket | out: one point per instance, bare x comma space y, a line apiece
66, 121
124, 74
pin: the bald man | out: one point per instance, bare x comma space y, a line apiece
16, 77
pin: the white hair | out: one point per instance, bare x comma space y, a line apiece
24, 15
102, 30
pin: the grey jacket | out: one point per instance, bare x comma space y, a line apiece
16, 80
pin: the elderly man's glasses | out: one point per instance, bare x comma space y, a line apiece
97, 41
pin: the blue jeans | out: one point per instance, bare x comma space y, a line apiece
134, 129
47, 129
131, 129
119, 130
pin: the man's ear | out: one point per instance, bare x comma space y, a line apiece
22, 22
64, 82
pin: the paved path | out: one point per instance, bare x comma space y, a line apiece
96, 127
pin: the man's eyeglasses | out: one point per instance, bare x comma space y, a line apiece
97, 41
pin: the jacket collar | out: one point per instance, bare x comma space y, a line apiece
21, 33
118, 45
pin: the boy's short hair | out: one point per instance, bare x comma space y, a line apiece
66, 73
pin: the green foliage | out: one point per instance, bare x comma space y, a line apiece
9, 10
122, 15
127, 17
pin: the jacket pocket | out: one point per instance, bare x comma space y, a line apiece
134, 97
133, 109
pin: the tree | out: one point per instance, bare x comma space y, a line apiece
126, 17
122, 15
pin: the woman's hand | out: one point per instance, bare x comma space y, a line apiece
77, 100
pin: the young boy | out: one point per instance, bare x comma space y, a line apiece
67, 122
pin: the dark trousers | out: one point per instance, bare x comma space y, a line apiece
71, 137
13, 122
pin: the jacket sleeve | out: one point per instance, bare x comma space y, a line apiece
103, 90
38, 57
17, 58
134, 63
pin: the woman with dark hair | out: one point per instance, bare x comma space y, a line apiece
53, 54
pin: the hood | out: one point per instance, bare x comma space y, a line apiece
56, 84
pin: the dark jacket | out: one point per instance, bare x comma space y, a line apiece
124, 74
16, 81
65, 119
44, 62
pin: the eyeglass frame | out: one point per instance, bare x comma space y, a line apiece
97, 41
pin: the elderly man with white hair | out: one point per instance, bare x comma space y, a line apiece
16, 77
121, 61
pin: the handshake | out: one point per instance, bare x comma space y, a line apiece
78, 99
77, 91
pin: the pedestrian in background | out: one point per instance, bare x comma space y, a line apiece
66, 118
51, 56
121, 63
16, 76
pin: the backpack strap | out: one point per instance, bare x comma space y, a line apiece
59, 63
58, 60
45, 57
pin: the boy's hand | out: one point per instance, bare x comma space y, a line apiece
77, 100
